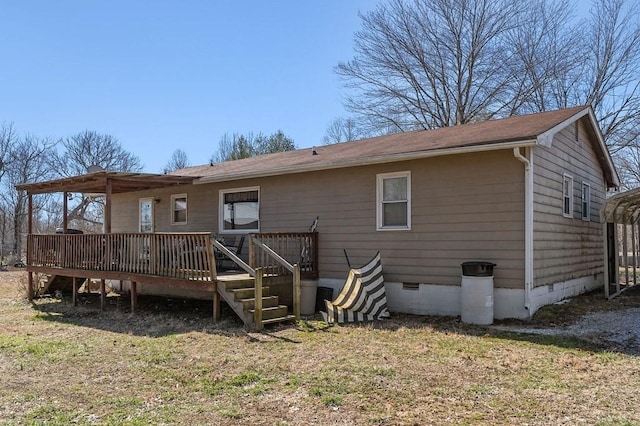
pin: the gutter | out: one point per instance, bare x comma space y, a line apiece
366, 161
528, 223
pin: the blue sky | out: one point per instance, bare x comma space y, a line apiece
163, 75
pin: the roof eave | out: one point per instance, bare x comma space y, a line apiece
381, 159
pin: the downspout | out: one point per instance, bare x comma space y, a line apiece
528, 224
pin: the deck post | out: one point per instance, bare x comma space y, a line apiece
29, 232
296, 291
216, 303
134, 296
75, 292
30, 287
257, 313
103, 295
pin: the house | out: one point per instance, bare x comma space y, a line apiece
523, 192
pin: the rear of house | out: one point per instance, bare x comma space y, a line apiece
523, 193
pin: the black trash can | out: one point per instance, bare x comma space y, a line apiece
478, 269
323, 293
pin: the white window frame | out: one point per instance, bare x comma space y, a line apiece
567, 179
380, 178
152, 202
586, 202
175, 197
221, 194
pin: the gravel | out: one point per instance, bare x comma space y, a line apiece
616, 330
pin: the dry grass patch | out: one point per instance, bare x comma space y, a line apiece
171, 364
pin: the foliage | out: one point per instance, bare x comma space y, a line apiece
238, 146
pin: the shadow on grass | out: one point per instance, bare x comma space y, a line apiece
160, 316
528, 331
154, 317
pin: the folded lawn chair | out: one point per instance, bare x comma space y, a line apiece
362, 297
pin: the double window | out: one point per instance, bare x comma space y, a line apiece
239, 210
179, 209
394, 201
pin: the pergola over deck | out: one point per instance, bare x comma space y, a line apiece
105, 183
621, 215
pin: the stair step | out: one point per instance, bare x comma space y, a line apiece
267, 302
279, 319
230, 285
279, 311
247, 293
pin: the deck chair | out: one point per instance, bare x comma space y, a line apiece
236, 248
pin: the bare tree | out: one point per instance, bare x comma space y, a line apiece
90, 148
428, 64
179, 160
548, 58
612, 83
422, 64
28, 164
81, 151
7, 139
343, 130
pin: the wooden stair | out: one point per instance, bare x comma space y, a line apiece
239, 293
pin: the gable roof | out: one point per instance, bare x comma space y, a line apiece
519, 131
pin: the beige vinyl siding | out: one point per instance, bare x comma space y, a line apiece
566, 248
464, 207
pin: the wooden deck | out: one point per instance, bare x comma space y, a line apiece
179, 260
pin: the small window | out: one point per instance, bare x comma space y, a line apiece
239, 210
179, 209
394, 201
567, 196
586, 201
146, 215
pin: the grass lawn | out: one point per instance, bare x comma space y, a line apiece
170, 363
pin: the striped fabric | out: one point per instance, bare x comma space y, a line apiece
362, 297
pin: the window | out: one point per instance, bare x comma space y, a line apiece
146, 214
586, 201
179, 209
239, 210
567, 196
394, 201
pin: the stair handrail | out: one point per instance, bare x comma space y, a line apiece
231, 255
294, 269
281, 260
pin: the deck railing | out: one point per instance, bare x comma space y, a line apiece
179, 256
296, 248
